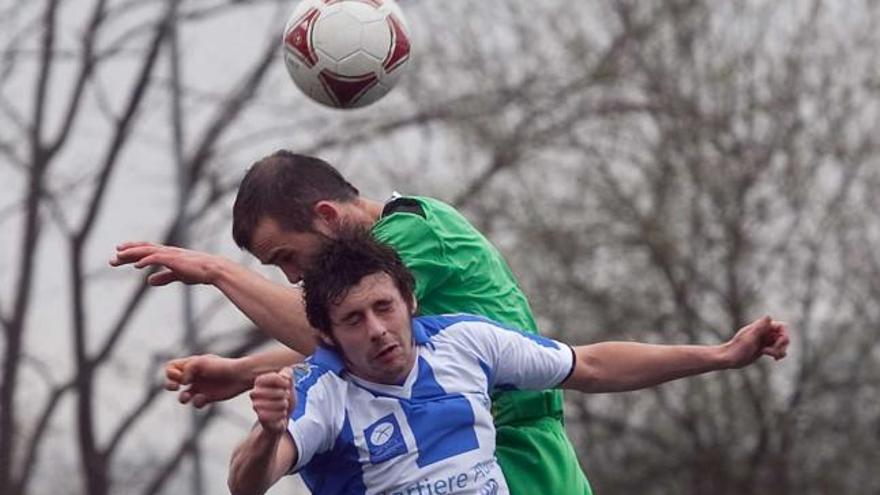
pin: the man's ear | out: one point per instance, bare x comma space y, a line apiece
325, 339
413, 305
327, 212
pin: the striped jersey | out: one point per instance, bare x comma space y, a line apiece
431, 435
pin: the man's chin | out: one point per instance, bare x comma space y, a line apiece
395, 370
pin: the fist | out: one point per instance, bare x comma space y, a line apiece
273, 399
762, 337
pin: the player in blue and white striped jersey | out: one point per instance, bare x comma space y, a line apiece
396, 405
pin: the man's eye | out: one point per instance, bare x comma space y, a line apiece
383, 306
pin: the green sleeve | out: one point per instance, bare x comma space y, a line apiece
419, 247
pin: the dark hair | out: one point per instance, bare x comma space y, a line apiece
341, 264
285, 186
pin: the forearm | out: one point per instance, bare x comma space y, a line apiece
276, 309
267, 361
622, 366
255, 464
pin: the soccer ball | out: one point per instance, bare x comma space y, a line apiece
346, 53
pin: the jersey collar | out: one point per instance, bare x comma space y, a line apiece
420, 334
328, 358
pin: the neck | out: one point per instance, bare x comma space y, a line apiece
371, 209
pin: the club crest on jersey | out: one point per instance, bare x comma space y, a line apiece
384, 439
301, 372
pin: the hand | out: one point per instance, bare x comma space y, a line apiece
273, 399
764, 336
180, 265
209, 378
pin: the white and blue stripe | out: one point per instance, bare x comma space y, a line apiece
431, 435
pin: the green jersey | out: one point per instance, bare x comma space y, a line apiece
457, 270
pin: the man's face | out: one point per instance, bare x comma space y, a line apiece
290, 251
373, 331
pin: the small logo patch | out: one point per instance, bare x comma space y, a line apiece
384, 439
301, 371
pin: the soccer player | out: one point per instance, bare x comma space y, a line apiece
392, 404
287, 207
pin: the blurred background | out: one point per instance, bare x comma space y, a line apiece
660, 171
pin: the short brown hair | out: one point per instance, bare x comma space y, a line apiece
285, 186
342, 263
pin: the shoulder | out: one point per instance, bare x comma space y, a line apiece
473, 329
412, 205
456, 328
320, 392
409, 222
314, 375
417, 209
308, 373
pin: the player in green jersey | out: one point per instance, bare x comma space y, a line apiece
287, 207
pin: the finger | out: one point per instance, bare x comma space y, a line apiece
135, 253
200, 401
270, 393
277, 406
173, 370
782, 346
272, 380
123, 254
151, 259
271, 411
131, 244
286, 373
769, 351
778, 349
273, 393
162, 278
190, 371
287, 376
172, 385
783, 328
185, 397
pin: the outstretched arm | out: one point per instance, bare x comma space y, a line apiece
207, 378
276, 309
622, 366
268, 452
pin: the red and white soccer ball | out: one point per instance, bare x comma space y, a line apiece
346, 53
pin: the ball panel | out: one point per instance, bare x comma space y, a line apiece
358, 63
376, 38
302, 75
398, 52
298, 36
345, 91
337, 34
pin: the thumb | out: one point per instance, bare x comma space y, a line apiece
190, 371
287, 374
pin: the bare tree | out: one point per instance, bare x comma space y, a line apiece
734, 181
658, 171
43, 135
69, 68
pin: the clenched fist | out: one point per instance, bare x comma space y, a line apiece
273, 399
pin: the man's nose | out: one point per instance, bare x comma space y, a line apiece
375, 326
